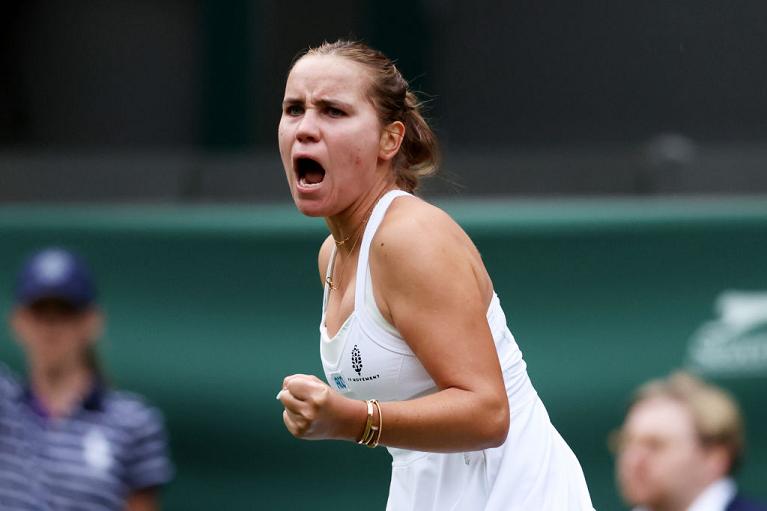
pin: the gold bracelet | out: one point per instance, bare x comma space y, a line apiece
365, 438
379, 429
374, 430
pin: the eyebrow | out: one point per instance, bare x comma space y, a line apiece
322, 103
292, 101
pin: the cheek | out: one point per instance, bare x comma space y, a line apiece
84, 332
283, 142
667, 468
362, 153
32, 333
630, 469
357, 160
284, 137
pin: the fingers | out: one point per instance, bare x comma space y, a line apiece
290, 402
290, 423
297, 424
304, 387
304, 398
287, 379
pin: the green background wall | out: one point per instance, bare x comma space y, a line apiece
210, 307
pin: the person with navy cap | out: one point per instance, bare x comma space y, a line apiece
67, 440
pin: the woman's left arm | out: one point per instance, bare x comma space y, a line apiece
431, 284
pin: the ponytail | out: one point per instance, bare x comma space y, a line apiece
418, 156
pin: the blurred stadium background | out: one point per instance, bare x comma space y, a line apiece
608, 159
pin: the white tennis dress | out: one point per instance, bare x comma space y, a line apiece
534, 470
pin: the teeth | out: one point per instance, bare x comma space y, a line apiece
302, 181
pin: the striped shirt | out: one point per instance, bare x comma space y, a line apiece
112, 445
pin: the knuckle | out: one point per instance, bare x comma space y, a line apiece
322, 397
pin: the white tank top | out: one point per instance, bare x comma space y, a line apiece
534, 470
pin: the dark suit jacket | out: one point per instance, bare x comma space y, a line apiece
741, 504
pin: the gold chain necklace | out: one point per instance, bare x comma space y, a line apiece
359, 231
339, 243
329, 279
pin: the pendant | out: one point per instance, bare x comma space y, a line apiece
329, 281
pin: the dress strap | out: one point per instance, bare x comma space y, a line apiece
376, 217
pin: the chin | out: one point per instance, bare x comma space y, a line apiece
308, 210
639, 496
316, 203
310, 207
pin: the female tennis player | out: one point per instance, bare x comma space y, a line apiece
414, 343
67, 440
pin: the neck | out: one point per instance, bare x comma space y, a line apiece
60, 388
347, 224
680, 504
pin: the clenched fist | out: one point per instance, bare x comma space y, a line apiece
314, 411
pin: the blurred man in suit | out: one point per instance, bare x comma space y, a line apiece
679, 446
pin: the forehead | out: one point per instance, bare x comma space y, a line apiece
661, 417
327, 76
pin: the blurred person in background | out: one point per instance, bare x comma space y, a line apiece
680, 444
414, 341
67, 440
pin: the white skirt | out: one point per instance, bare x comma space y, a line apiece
534, 470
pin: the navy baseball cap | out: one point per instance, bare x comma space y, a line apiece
55, 273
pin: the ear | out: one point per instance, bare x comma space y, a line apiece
391, 139
718, 461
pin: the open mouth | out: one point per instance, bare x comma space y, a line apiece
308, 171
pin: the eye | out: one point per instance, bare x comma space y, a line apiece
335, 112
294, 110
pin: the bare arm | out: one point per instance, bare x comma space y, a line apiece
432, 286
143, 500
434, 289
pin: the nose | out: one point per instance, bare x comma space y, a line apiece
308, 128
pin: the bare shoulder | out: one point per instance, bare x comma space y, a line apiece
419, 238
411, 220
323, 259
421, 258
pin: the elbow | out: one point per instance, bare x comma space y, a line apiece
497, 425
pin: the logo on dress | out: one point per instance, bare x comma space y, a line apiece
338, 379
357, 366
357, 360
340, 383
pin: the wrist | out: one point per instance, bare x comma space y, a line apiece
353, 418
371, 435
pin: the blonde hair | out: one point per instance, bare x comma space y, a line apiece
392, 98
715, 414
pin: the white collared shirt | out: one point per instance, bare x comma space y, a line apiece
715, 497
